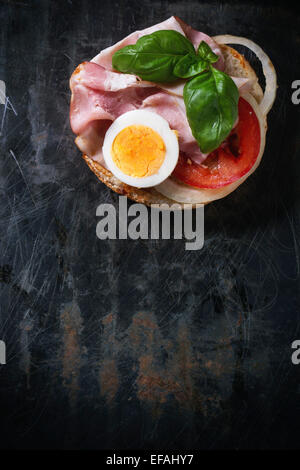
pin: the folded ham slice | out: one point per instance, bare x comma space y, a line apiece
93, 76
172, 109
104, 58
100, 95
244, 85
196, 37
92, 101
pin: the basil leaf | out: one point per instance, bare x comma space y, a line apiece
189, 66
154, 56
211, 101
205, 52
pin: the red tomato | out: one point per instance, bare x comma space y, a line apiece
232, 160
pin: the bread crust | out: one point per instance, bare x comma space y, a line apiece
235, 65
146, 196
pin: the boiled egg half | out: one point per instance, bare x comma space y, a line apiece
140, 149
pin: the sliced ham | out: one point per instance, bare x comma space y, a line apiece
100, 95
90, 141
172, 109
244, 85
91, 102
197, 36
88, 104
97, 77
104, 57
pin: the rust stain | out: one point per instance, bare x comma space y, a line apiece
159, 377
72, 356
153, 385
187, 366
109, 380
108, 373
169, 365
220, 362
108, 319
145, 321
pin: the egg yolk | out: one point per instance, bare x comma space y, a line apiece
138, 151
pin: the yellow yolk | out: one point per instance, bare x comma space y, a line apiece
138, 151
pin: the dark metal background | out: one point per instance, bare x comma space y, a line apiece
140, 344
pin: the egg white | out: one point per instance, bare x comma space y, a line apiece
159, 125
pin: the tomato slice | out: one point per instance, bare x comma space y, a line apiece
232, 160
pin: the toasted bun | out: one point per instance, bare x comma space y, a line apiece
235, 65
145, 196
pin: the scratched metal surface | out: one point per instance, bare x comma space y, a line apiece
140, 344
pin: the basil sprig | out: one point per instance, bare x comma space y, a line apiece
154, 56
210, 96
211, 102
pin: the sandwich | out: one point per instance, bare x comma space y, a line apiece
171, 115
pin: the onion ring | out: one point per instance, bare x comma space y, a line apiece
184, 193
267, 66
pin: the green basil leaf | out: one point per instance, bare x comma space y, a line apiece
189, 66
205, 52
211, 101
154, 56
